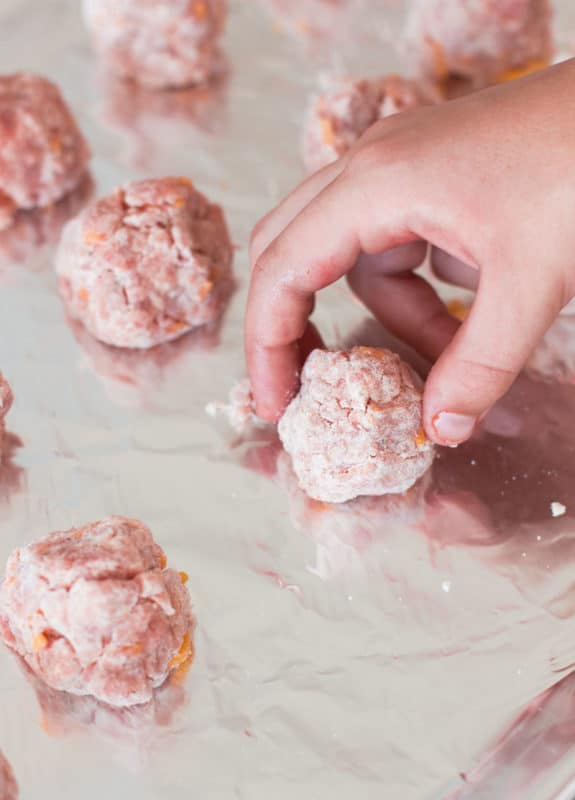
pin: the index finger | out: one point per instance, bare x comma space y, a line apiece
321, 244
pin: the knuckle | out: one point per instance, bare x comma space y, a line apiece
388, 142
368, 157
371, 170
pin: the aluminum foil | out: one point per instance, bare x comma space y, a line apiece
412, 648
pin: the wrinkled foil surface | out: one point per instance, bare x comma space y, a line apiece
414, 647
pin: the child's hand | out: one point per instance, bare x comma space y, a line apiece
490, 180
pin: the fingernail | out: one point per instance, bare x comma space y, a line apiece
452, 429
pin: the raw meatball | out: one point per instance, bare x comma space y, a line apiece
158, 43
6, 399
147, 263
346, 109
478, 41
355, 427
8, 786
93, 610
43, 155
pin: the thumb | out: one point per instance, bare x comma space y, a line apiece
509, 316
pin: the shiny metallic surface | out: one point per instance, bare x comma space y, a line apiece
393, 647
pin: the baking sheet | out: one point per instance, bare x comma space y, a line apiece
380, 649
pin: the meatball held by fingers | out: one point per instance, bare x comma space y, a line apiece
355, 427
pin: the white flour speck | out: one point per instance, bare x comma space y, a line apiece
558, 509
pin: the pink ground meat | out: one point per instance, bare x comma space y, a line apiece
479, 41
94, 611
158, 43
8, 785
43, 155
147, 263
355, 428
339, 116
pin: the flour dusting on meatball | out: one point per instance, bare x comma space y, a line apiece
146, 263
355, 427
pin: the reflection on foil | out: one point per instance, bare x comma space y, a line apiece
498, 495
344, 532
554, 356
133, 378
536, 560
522, 460
521, 757
42, 226
149, 118
134, 731
12, 477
